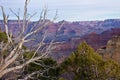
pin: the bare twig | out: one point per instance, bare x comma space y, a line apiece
5, 18
16, 50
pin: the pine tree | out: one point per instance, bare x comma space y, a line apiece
88, 65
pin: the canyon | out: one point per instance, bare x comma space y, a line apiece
95, 33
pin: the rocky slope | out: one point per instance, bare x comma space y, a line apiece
95, 40
112, 49
95, 33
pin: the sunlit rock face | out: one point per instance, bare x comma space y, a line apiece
112, 50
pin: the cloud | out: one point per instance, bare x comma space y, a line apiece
70, 9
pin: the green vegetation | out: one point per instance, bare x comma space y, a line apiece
84, 63
88, 65
61, 79
46, 69
3, 37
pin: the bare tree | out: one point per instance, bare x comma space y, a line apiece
15, 50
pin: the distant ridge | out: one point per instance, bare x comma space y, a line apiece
96, 33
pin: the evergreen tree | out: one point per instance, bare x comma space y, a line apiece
45, 68
88, 65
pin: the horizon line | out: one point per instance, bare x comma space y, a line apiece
70, 20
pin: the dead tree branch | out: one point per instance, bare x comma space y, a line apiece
15, 51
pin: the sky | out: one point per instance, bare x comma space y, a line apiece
70, 10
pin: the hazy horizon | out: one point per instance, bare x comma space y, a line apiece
69, 10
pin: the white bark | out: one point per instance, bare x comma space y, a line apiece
16, 52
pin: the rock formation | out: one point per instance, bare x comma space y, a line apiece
112, 50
